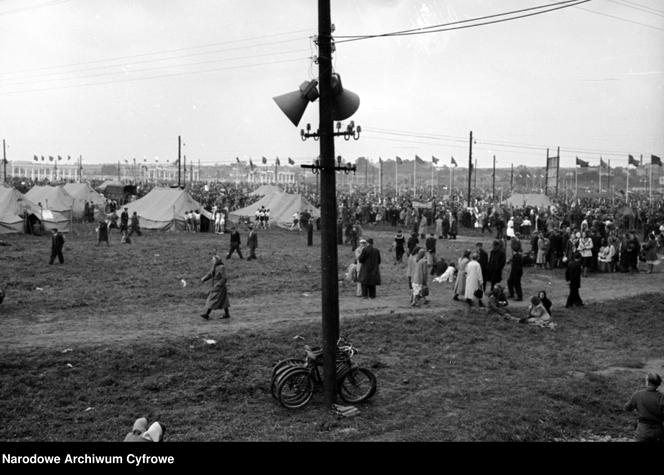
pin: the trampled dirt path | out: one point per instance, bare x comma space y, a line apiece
82, 326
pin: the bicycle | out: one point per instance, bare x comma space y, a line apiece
294, 380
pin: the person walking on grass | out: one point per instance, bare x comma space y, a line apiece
649, 403
124, 220
420, 279
57, 243
516, 272
573, 276
399, 249
369, 274
252, 242
135, 225
217, 298
102, 232
474, 281
235, 243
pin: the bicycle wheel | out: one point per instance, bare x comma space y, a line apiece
357, 385
279, 369
295, 388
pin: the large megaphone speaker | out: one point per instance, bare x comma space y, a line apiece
345, 103
293, 104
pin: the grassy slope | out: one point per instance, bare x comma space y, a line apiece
448, 375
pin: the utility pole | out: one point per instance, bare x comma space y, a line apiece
470, 164
328, 206
179, 154
366, 171
512, 179
184, 182
4, 158
475, 175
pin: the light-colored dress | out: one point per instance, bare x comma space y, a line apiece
460, 284
473, 279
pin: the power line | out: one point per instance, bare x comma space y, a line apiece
139, 55
624, 4
621, 19
444, 26
153, 77
157, 68
642, 6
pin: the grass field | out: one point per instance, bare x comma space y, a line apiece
112, 334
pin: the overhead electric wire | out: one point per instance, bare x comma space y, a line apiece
152, 77
617, 2
640, 5
444, 26
21, 82
139, 55
33, 7
621, 19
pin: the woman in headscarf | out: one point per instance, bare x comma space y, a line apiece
218, 296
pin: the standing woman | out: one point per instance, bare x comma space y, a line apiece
650, 248
460, 284
586, 250
218, 296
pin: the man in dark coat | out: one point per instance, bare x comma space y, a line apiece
573, 276
496, 264
516, 272
430, 245
310, 233
57, 243
218, 296
102, 233
484, 264
649, 403
252, 242
135, 225
124, 220
412, 242
370, 271
235, 243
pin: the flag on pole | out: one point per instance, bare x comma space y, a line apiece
581, 163
418, 160
237, 159
632, 161
278, 162
68, 157
453, 162
602, 163
264, 161
42, 157
51, 158
434, 159
399, 161
59, 157
291, 161
655, 160
36, 159
251, 164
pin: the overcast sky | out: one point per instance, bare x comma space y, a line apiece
120, 79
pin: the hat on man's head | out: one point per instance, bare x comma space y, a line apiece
363, 241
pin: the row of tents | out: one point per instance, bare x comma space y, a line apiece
161, 209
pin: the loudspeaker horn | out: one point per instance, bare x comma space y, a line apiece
345, 102
293, 104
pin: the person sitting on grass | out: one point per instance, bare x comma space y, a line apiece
448, 275
537, 314
545, 301
141, 433
497, 303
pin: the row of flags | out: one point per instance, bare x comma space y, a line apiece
654, 160
50, 158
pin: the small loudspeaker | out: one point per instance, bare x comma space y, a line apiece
293, 104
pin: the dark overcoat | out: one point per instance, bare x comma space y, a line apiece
370, 270
218, 297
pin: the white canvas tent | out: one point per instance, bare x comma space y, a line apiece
53, 198
14, 205
529, 199
282, 206
163, 209
82, 192
266, 190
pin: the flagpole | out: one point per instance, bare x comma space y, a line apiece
627, 191
600, 174
396, 177
414, 175
650, 186
432, 179
576, 182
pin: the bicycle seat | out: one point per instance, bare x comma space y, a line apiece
313, 353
